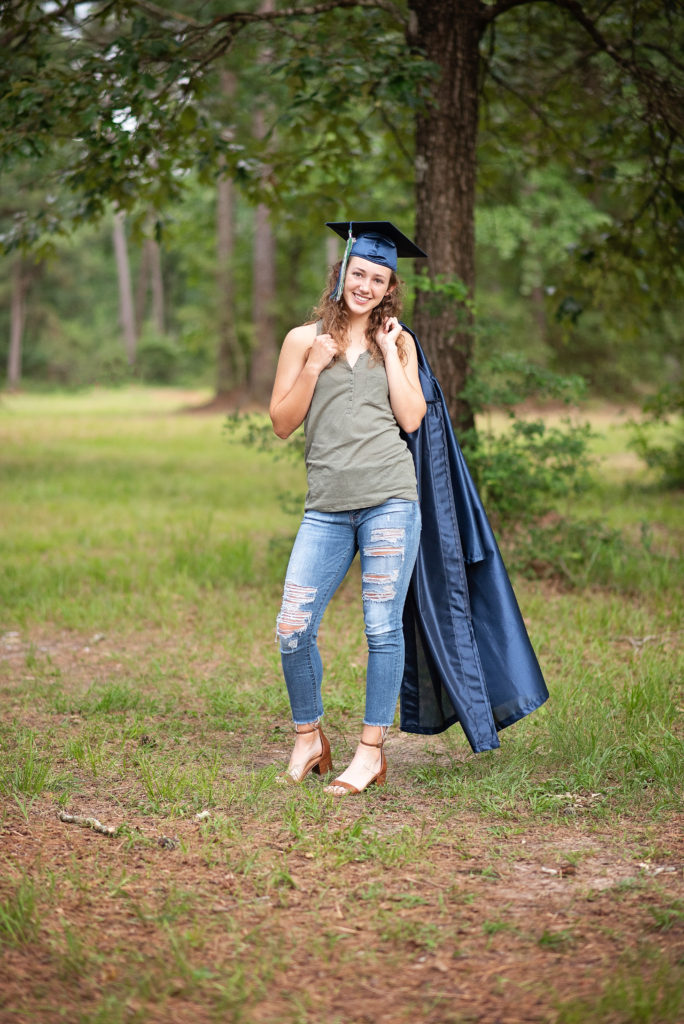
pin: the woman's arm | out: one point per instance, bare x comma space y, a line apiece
303, 355
406, 396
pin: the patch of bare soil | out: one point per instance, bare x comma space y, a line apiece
605, 412
267, 917
237, 400
451, 939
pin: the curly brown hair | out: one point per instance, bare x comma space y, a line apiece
335, 315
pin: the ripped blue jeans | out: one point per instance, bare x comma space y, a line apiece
387, 538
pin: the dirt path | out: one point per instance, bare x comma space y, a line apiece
281, 906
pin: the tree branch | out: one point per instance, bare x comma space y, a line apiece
163, 12
238, 19
645, 76
488, 12
653, 193
538, 113
576, 10
391, 127
664, 53
245, 17
234, 21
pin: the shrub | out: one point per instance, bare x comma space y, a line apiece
577, 552
73, 355
666, 456
157, 359
523, 471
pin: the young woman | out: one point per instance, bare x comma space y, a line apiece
351, 376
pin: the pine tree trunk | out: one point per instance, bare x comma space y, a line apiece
538, 303
141, 290
17, 321
157, 279
126, 313
227, 355
447, 31
150, 273
265, 351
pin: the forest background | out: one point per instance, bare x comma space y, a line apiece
167, 171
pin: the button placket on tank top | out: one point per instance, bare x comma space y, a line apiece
356, 391
351, 383
349, 404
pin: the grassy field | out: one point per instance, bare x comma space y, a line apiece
142, 557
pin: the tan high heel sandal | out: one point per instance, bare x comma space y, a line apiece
320, 763
379, 779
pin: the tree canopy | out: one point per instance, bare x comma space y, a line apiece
529, 106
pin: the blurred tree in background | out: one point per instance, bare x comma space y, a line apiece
560, 123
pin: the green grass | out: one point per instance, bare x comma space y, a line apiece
141, 560
630, 999
25, 770
133, 514
19, 920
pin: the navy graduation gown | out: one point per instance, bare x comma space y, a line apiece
468, 656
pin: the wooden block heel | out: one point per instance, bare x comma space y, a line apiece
325, 764
320, 764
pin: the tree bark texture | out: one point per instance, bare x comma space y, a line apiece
17, 321
141, 291
229, 370
150, 274
157, 282
126, 311
265, 351
447, 32
227, 362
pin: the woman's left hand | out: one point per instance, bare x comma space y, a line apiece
388, 335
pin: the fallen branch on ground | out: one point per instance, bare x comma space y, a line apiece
78, 819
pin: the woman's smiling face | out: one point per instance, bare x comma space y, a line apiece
365, 285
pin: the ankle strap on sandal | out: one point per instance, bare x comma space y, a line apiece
378, 746
314, 727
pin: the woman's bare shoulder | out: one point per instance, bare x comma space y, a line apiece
407, 341
302, 335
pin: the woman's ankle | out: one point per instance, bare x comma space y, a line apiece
373, 735
307, 739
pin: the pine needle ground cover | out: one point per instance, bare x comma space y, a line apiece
152, 869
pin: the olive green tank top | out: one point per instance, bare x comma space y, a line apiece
355, 455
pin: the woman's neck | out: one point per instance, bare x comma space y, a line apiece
358, 325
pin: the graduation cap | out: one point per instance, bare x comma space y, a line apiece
375, 240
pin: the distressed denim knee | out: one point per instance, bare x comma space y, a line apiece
295, 615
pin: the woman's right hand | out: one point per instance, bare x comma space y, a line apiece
303, 358
322, 352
